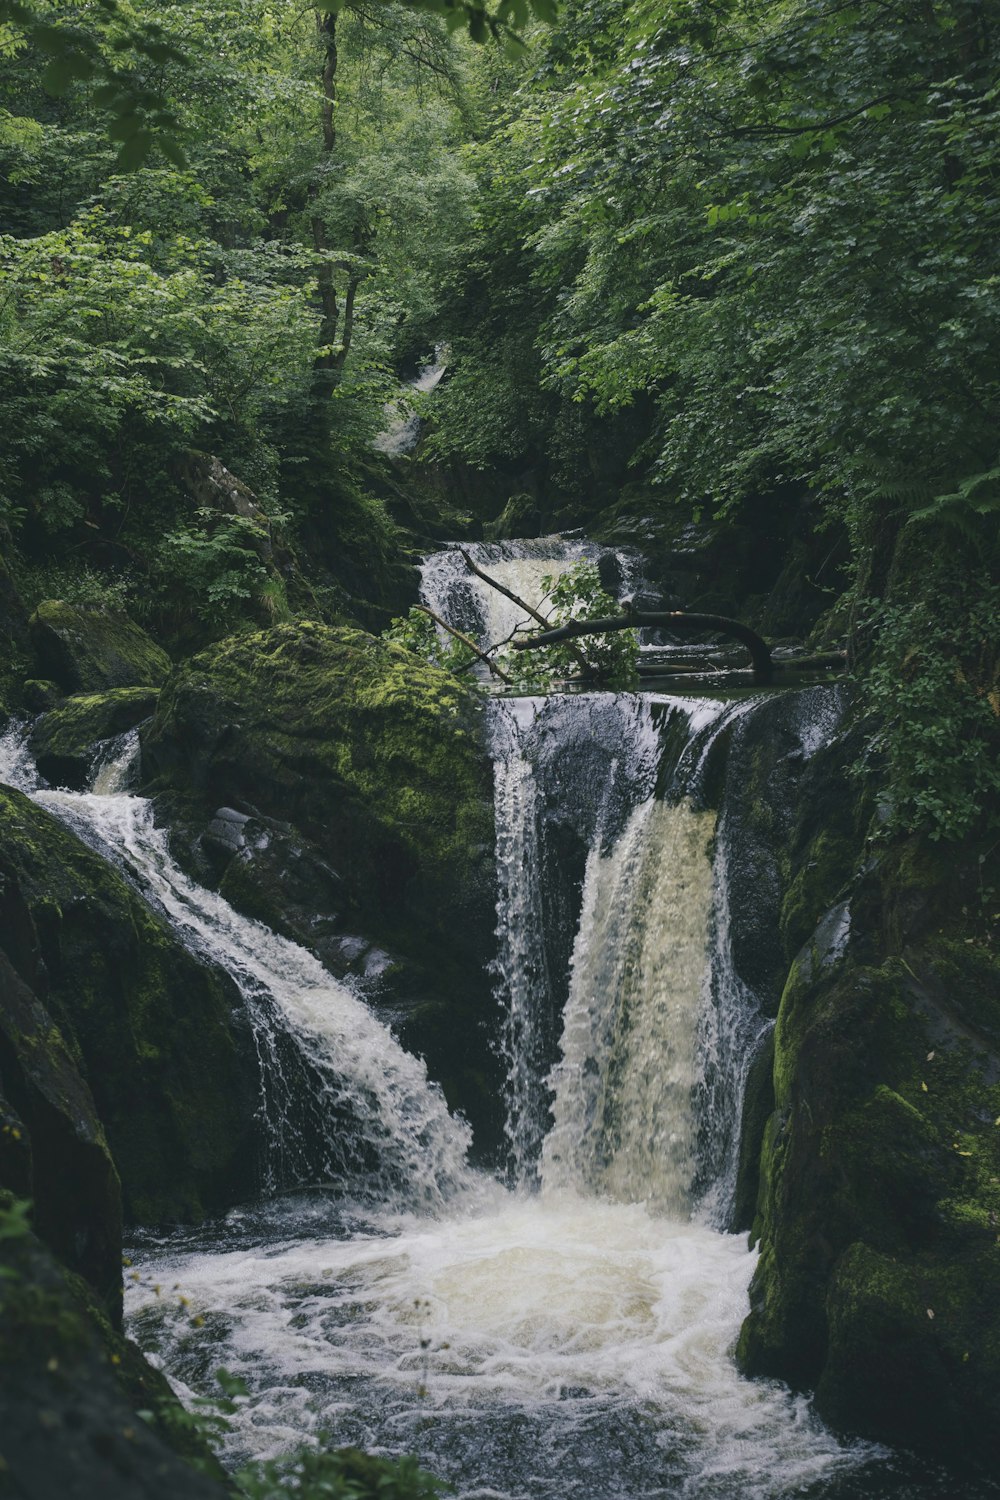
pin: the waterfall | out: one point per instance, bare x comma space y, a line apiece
449, 588
623, 1087
568, 771
340, 1098
627, 1048
521, 966
570, 1330
402, 427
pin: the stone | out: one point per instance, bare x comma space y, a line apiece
82, 1415
64, 740
89, 649
367, 792
70, 1176
152, 1032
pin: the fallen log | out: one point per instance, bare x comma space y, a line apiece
760, 652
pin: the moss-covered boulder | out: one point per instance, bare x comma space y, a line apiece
89, 649
64, 740
81, 1412
355, 741
150, 1030
360, 774
879, 1215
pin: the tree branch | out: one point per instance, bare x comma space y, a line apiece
741, 132
760, 652
577, 655
497, 671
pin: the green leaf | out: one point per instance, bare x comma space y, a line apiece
134, 151
62, 72
173, 151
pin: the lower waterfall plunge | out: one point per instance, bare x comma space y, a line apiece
568, 1334
623, 1123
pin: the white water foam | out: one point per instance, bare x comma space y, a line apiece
623, 1110
532, 1348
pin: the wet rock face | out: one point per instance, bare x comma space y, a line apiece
52, 1145
338, 789
89, 649
776, 796
878, 1218
878, 1204
65, 739
149, 1031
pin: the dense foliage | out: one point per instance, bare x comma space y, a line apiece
740, 259
249, 301
715, 263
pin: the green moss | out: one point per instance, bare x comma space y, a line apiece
372, 796
89, 649
64, 1368
914, 1355
880, 1184
342, 733
969, 973
822, 873
63, 740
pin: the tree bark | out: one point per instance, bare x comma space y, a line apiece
325, 366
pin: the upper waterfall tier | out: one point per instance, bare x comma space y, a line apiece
449, 587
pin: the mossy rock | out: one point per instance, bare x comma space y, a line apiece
914, 1351
39, 695
89, 649
521, 516
64, 740
150, 1029
374, 764
343, 734
880, 1170
72, 1390
766, 763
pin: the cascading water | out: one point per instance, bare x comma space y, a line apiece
455, 593
374, 1121
402, 423
570, 1334
623, 1087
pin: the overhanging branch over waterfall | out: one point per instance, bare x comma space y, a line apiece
760, 651
529, 609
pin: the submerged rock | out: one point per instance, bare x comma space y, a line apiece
65, 739
88, 649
